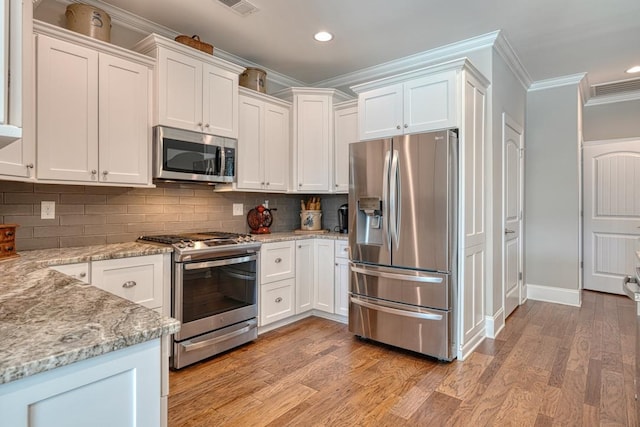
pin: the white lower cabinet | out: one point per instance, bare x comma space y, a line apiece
305, 263
121, 388
138, 279
78, 271
277, 300
341, 278
323, 295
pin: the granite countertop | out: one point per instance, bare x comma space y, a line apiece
48, 319
291, 235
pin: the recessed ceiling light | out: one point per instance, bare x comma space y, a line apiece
635, 69
323, 36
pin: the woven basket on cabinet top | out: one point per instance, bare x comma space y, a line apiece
195, 43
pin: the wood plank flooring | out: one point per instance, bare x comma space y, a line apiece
552, 365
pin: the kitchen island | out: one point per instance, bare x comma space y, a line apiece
68, 343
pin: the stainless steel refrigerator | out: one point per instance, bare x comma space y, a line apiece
403, 195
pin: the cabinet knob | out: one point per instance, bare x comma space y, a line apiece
336, 264
299, 246
278, 260
93, 171
406, 125
83, 274
129, 284
30, 166
199, 124
267, 183
8, 233
206, 125
105, 173
300, 185
279, 299
398, 127
262, 183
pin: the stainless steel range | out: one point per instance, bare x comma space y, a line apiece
214, 292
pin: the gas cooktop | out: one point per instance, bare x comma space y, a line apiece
205, 244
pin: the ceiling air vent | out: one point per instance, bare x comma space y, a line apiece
241, 7
615, 88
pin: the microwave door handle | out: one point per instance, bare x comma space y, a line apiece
223, 163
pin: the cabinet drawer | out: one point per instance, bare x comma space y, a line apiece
277, 301
342, 249
78, 271
277, 261
138, 279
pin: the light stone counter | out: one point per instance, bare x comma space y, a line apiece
48, 319
284, 236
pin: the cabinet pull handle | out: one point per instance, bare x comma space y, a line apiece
129, 284
105, 173
300, 185
30, 166
406, 125
199, 124
262, 183
278, 260
206, 125
398, 127
267, 183
279, 299
83, 274
93, 171
299, 246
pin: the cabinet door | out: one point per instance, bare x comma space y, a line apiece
276, 147
346, 132
67, 111
305, 262
277, 301
17, 159
277, 261
324, 276
220, 102
250, 173
341, 281
312, 143
138, 279
430, 103
124, 121
78, 271
380, 112
179, 91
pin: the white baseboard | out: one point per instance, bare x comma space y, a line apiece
494, 324
564, 296
318, 313
475, 341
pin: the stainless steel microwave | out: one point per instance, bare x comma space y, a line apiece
184, 155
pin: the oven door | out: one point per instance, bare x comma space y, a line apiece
211, 295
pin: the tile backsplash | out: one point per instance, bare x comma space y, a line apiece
88, 215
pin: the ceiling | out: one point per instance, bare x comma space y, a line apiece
551, 38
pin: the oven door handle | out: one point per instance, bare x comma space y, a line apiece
192, 346
396, 311
219, 263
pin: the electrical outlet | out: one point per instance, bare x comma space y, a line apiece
238, 209
266, 204
47, 210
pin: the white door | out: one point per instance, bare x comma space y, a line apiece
180, 91
513, 160
124, 121
219, 102
250, 145
305, 261
611, 213
276, 147
312, 142
346, 132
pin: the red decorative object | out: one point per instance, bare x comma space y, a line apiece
259, 220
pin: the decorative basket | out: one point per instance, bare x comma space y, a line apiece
194, 42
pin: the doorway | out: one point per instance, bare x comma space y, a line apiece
611, 210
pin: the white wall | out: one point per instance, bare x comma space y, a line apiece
552, 188
612, 121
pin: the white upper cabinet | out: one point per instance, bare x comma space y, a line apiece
193, 90
345, 132
415, 102
100, 134
263, 143
312, 137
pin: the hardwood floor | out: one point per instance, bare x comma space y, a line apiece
551, 365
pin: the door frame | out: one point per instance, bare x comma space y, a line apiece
507, 120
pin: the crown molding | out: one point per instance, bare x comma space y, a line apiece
579, 80
612, 99
506, 52
409, 63
145, 27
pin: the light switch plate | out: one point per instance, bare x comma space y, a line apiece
47, 210
238, 209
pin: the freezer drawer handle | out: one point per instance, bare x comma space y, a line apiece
189, 346
390, 310
397, 276
632, 293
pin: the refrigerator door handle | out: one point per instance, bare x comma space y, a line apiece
387, 275
396, 311
394, 195
385, 199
